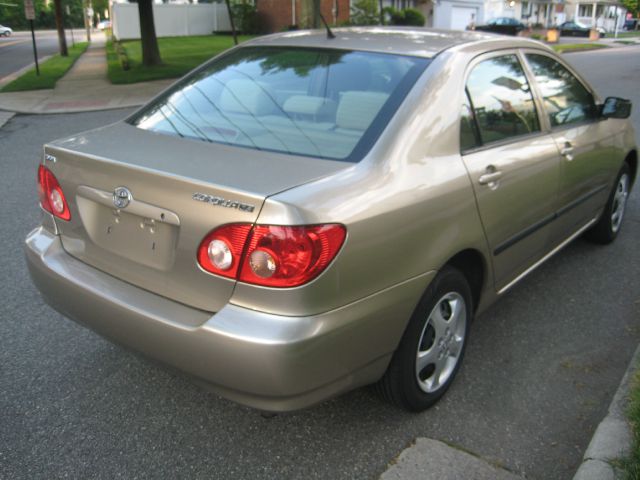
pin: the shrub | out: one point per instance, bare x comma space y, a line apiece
122, 56
247, 19
365, 12
414, 17
409, 16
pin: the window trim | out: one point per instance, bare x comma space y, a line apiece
498, 143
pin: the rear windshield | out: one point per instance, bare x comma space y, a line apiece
315, 102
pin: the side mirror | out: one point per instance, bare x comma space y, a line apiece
615, 107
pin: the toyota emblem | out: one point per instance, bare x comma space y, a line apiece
121, 197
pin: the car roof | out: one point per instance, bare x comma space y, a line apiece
421, 42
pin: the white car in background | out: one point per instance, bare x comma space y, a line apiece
5, 31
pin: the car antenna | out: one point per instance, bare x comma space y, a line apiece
326, 25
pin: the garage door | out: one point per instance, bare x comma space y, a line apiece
461, 17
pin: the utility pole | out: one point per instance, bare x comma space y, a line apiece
30, 14
86, 8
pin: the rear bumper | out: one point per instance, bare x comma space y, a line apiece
261, 360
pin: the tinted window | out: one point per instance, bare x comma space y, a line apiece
502, 99
565, 98
321, 103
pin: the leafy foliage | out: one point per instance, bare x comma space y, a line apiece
13, 16
409, 16
632, 6
248, 19
365, 12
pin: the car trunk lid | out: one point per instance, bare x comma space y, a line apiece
142, 202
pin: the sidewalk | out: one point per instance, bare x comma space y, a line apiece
84, 88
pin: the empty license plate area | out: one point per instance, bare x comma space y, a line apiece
140, 232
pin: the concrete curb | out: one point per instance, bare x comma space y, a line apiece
613, 438
5, 117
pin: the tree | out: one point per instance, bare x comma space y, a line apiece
632, 6
233, 25
316, 13
365, 12
62, 40
150, 50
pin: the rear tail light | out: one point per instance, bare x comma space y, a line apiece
269, 255
221, 250
51, 194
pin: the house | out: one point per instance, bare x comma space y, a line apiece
598, 13
282, 14
446, 14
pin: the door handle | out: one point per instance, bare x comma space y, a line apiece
567, 151
489, 178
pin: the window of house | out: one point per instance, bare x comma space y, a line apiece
585, 11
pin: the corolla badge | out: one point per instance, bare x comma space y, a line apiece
223, 202
121, 197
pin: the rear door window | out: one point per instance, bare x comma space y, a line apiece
502, 101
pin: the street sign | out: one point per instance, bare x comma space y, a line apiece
29, 10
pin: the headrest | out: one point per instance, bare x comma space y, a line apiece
357, 110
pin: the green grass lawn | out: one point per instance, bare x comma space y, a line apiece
630, 466
179, 55
50, 72
633, 33
573, 47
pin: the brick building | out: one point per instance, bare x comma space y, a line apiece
281, 14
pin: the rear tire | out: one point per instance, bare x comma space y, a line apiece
432, 347
610, 223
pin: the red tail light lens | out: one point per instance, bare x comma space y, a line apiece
51, 195
221, 250
289, 256
268, 255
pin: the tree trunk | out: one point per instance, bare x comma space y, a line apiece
316, 13
150, 50
62, 40
381, 12
233, 25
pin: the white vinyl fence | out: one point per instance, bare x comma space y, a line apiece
172, 20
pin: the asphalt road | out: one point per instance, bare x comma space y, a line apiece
540, 371
16, 51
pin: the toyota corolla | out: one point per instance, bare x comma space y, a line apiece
310, 213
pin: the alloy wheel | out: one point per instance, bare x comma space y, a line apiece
441, 342
619, 202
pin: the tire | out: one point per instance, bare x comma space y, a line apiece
610, 223
433, 345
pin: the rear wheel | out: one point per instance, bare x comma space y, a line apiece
608, 227
432, 347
